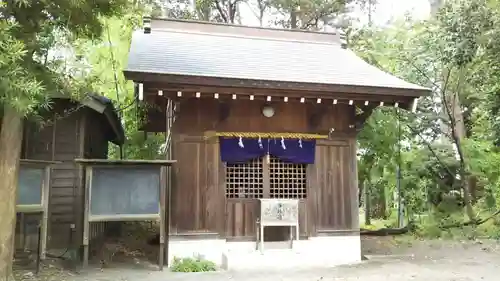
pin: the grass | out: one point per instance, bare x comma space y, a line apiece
430, 226
195, 264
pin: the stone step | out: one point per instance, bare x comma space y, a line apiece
272, 258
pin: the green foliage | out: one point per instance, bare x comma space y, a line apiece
454, 53
38, 33
431, 227
102, 61
192, 265
18, 87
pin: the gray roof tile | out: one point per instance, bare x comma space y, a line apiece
229, 56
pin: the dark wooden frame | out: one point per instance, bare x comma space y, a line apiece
43, 208
308, 89
163, 188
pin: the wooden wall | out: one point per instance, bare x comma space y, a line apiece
332, 187
68, 137
58, 141
198, 193
196, 116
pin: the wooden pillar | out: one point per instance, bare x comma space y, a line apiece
169, 173
163, 222
45, 214
86, 209
354, 185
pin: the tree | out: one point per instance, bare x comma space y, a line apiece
455, 53
15, 81
28, 30
311, 14
109, 81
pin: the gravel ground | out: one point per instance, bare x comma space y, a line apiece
389, 260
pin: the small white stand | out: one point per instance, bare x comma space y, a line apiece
278, 212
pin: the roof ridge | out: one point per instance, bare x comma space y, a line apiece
231, 35
239, 31
187, 21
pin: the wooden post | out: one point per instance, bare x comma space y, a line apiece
354, 186
261, 237
169, 120
161, 256
86, 210
22, 231
257, 236
45, 213
167, 218
297, 234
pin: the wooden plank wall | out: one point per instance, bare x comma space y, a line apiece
241, 216
58, 141
64, 140
331, 187
195, 116
198, 192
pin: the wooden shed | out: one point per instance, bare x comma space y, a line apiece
254, 114
70, 130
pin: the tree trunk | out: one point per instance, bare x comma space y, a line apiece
293, 18
367, 203
454, 112
10, 152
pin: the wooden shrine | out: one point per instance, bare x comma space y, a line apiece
255, 116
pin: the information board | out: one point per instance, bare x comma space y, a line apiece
29, 191
279, 212
125, 191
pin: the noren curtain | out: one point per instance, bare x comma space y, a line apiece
238, 150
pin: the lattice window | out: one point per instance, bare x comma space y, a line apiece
245, 180
287, 180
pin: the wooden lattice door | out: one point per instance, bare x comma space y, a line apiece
271, 178
266, 177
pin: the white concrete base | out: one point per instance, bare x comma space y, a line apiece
210, 249
325, 251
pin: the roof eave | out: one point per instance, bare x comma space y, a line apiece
140, 76
107, 108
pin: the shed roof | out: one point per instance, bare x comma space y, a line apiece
117, 134
264, 54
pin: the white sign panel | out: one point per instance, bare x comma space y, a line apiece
279, 212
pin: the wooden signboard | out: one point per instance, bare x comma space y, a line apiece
124, 190
279, 212
33, 197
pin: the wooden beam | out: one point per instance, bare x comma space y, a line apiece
124, 162
190, 90
264, 84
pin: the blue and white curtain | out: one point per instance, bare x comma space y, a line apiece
240, 150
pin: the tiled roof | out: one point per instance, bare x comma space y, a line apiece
205, 54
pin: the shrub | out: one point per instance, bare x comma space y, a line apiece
196, 264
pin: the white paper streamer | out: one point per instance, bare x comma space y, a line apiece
240, 143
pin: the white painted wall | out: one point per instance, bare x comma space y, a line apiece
324, 251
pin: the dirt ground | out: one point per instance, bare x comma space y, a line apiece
389, 259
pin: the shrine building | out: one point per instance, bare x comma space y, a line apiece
263, 125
